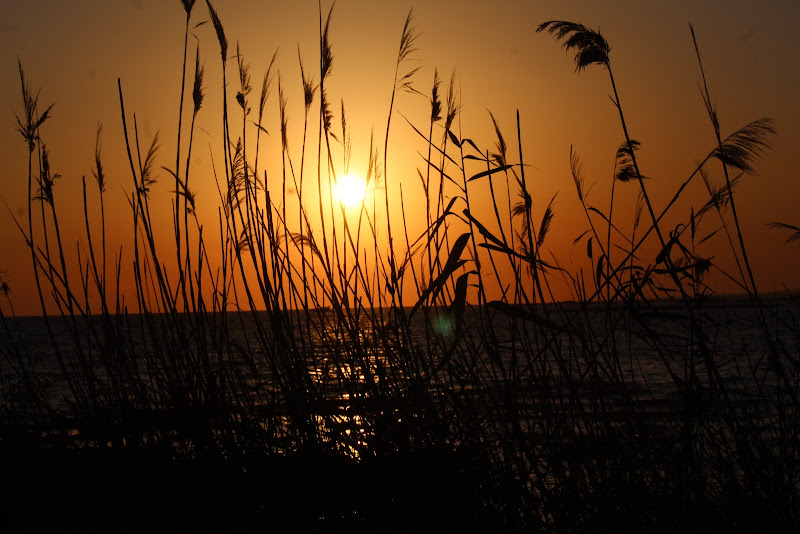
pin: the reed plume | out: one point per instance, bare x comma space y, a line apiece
589, 46
223, 41
794, 231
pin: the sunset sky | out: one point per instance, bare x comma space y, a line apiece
75, 52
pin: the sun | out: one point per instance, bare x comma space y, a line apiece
350, 190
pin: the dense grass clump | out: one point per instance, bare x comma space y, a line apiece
290, 365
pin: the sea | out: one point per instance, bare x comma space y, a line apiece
652, 351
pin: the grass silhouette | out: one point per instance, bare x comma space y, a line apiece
309, 373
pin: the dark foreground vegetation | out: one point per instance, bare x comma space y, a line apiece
383, 388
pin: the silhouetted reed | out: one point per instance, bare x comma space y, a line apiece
310, 371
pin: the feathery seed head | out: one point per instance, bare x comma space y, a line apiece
500, 156
97, 172
745, 145
547, 218
29, 126
452, 106
223, 41
308, 84
327, 115
577, 172
794, 231
244, 81
326, 53
719, 195
187, 6
408, 39
284, 117
46, 180
266, 86
407, 47
197, 92
436, 103
590, 47
148, 178
190, 200
626, 155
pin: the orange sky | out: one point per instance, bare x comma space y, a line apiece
75, 51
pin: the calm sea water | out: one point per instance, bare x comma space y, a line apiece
651, 351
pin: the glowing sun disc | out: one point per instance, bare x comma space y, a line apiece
350, 190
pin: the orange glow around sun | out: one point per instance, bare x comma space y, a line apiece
350, 190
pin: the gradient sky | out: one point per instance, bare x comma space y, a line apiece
75, 51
